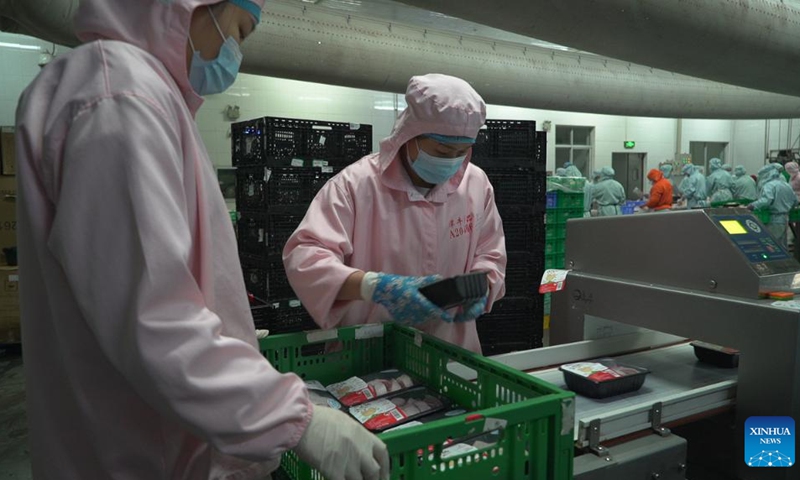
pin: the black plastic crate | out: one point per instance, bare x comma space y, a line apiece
259, 141
283, 142
524, 273
266, 278
251, 188
515, 323
281, 224
518, 186
251, 230
338, 144
512, 140
261, 187
357, 143
540, 152
524, 228
282, 317
325, 174
266, 232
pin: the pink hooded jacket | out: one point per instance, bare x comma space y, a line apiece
794, 177
370, 217
140, 353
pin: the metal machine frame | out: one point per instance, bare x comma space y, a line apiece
705, 297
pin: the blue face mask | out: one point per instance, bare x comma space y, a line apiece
215, 76
436, 170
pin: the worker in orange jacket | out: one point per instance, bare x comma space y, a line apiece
660, 193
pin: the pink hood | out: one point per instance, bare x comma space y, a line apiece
438, 104
159, 27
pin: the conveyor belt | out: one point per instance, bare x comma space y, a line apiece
683, 386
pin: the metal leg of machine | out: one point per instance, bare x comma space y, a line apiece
650, 458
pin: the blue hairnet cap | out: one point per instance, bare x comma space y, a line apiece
607, 171
568, 164
769, 168
250, 7
687, 169
715, 164
447, 139
740, 170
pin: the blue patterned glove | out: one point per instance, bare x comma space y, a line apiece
401, 297
472, 311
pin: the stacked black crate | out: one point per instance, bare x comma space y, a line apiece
281, 165
514, 156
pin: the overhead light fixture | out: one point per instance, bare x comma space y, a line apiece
19, 46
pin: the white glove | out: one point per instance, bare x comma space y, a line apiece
341, 449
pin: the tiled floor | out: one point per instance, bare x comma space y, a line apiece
14, 455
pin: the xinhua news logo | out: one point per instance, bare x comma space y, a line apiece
769, 442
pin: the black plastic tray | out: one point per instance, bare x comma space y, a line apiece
454, 291
716, 355
606, 388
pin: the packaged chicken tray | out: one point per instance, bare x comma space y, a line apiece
382, 414
603, 378
320, 397
455, 447
429, 418
357, 390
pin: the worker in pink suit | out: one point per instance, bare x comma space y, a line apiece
794, 177
141, 359
397, 220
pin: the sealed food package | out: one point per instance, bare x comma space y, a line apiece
320, 397
429, 418
379, 415
603, 378
470, 445
357, 390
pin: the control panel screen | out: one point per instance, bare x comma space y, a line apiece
734, 227
751, 238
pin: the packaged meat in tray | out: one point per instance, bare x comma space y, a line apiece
603, 378
429, 418
471, 445
320, 397
382, 414
357, 390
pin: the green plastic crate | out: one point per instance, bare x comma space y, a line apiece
554, 247
554, 261
794, 215
535, 417
560, 216
555, 231
566, 184
570, 200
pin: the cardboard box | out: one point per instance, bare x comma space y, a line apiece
8, 214
8, 156
9, 306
